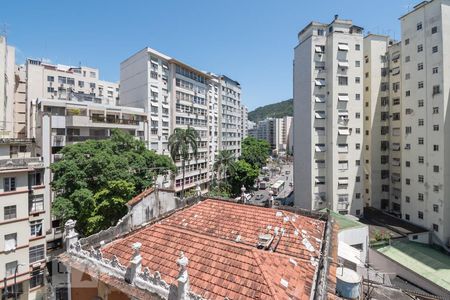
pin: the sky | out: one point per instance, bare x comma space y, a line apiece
251, 41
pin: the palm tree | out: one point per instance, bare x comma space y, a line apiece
181, 143
224, 161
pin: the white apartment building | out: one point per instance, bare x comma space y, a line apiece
425, 50
176, 95
7, 80
50, 81
244, 121
24, 219
328, 109
276, 131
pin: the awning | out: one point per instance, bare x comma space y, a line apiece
320, 115
343, 64
320, 100
344, 131
320, 180
154, 118
154, 104
343, 98
165, 106
395, 56
343, 47
320, 149
349, 253
395, 71
318, 49
343, 181
165, 66
319, 82
396, 146
154, 89
343, 113
165, 120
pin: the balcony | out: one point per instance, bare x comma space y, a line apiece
82, 138
113, 120
342, 205
101, 121
20, 163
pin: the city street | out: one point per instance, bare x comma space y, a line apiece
288, 178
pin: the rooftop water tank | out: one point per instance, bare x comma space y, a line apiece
348, 283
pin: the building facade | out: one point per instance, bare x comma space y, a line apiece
328, 109
7, 80
276, 131
175, 95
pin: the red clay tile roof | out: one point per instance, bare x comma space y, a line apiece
138, 198
219, 266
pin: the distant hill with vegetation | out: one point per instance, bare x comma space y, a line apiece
275, 110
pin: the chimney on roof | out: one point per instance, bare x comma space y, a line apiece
135, 263
183, 277
71, 236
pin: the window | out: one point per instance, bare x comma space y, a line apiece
357, 80
434, 30
408, 130
10, 268
435, 110
36, 253
435, 147
50, 89
420, 178
342, 80
420, 85
421, 159
10, 241
436, 227
357, 130
406, 217
436, 169
407, 163
407, 199
420, 103
37, 278
357, 146
80, 83
420, 215
420, 196
320, 180
385, 188
343, 165
420, 66
419, 26
420, 141
435, 70
357, 115
407, 76
357, 162
62, 79
357, 47
50, 78
435, 127
407, 181
407, 93
320, 163
407, 58
407, 42
9, 184
342, 148
434, 49
92, 85
421, 121
436, 90
357, 63
36, 228
396, 101
10, 212
37, 203
70, 81
357, 179
384, 101
357, 96
419, 48
435, 208
384, 159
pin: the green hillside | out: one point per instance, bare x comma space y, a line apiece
276, 110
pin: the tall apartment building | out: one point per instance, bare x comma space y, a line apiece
425, 82
328, 109
176, 95
50, 81
382, 121
276, 131
7, 80
25, 222
244, 121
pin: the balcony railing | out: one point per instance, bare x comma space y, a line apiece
82, 138
17, 163
96, 119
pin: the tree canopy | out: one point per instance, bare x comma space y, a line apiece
94, 179
243, 174
255, 152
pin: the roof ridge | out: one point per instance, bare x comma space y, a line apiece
264, 275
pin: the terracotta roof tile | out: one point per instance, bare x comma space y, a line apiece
219, 266
138, 198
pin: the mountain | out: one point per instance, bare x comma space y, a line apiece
275, 110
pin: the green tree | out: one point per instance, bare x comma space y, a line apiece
243, 174
223, 164
182, 143
255, 152
94, 179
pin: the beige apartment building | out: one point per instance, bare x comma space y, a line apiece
328, 114
277, 132
176, 95
7, 80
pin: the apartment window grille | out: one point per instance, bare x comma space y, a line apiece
435, 127
357, 146
434, 49
419, 48
421, 122
357, 63
408, 130
384, 101
420, 141
396, 101
10, 212
435, 70
420, 159
420, 103
420, 178
342, 80
420, 196
434, 29
420, 85
420, 66
357, 79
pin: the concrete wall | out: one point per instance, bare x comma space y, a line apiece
355, 236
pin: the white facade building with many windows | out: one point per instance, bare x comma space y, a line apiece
328, 114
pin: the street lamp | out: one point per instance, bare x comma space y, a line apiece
243, 189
